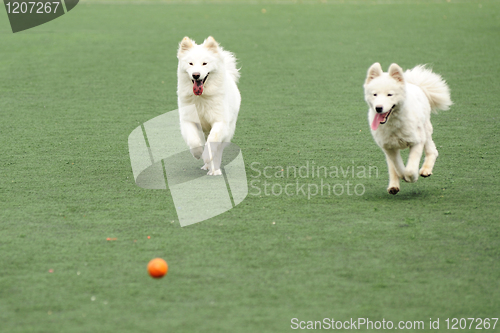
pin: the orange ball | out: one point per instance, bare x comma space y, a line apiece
157, 268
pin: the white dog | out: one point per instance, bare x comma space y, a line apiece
208, 98
399, 114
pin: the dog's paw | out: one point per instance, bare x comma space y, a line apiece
393, 190
197, 152
214, 173
410, 177
205, 167
425, 172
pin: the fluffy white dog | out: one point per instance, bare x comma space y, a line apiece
208, 98
399, 114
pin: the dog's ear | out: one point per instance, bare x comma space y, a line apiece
185, 44
374, 71
396, 73
211, 44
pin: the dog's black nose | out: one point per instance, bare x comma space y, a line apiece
379, 109
196, 76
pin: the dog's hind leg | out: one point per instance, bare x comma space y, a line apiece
396, 168
410, 174
431, 154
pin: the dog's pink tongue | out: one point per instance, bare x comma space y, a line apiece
198, 87
379, 117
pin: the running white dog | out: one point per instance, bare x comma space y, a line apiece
399, 114
208, 98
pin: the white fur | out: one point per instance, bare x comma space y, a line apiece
217, 107
411, 96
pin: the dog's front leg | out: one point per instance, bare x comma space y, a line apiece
411, 171
212, 155
396, 169
192, 134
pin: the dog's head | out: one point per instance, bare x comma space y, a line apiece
198, 62
384, 92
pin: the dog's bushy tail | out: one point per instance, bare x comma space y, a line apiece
433, 85
230, 62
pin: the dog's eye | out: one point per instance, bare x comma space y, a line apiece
375, 95
190, 64
204, 63
389, 95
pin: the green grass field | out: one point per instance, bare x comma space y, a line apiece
73, 89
